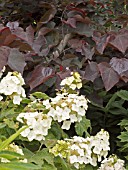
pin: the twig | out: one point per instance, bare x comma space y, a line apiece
63, 42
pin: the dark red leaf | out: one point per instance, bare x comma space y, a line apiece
30, 43
25, 47
48, 15
81, 11
87, 51
120, 40
9, 39
76, 44
71, 22
40, 75
1, 27
84, 29
82, 47
20, 33
16, 60
64, 74
91, 71
79, 18
101, 42
109, 76
6, 37
124, 76
30, 35
53, 38
4, 53
92, 2
96, 36
38, 43
44, 30
119, 65
27, 35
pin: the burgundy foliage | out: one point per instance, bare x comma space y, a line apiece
41, 39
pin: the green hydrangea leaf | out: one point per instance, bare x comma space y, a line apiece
82, 127
40, 95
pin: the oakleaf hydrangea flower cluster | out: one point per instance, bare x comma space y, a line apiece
84, 151
11, 85
62, 149
15, 148
100, 144
112, 163
38, 125
66, 108
73, 82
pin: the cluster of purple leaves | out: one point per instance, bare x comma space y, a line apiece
77, 35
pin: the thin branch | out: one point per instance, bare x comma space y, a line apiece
64, 42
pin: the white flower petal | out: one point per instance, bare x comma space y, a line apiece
66, 125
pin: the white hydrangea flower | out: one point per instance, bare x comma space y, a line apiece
66, 125
112, 163
86, 150
82, 150
17, 99
61, 149
79, 85
73, 86
66, 108
14, 148
101, 144
38, 125
11, 85
67, 81
73, 82
47, 104
25, 133
73, 159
